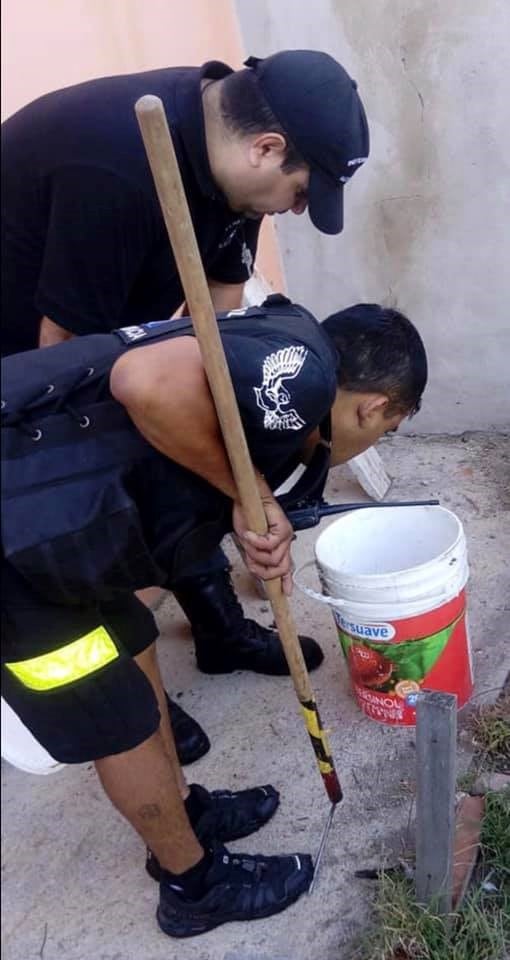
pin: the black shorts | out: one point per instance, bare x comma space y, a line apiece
69, 674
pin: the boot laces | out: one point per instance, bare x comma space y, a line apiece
244, 870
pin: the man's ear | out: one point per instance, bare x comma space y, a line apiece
267, 146
370, 406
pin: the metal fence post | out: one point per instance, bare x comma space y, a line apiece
436, 742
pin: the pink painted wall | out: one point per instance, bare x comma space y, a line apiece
48, 44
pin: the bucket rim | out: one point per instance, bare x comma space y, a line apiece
375, 611
379, 577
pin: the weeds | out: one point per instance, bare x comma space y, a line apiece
479, 931
490, 729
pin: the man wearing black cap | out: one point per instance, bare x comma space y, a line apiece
319, 109
85, 248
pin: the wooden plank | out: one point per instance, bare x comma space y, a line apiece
369, 471
256, 289
436, 737
467, 845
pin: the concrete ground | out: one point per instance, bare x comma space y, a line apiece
74, 887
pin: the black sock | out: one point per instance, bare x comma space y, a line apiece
194, 803
191, 884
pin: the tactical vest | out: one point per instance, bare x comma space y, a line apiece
70, 523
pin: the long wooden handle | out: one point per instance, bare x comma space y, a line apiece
165, 170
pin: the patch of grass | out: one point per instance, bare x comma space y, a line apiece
479, 931
467, 780
495, 838
490, 729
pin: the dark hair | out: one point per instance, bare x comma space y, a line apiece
380, 352
244, 110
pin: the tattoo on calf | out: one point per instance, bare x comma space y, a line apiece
150, 811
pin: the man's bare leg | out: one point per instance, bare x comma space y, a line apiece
148, 662
147, 785
142, 785
151, 597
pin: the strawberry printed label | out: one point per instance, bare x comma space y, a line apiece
388, 671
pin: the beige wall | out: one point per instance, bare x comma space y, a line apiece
48, 44
427, 219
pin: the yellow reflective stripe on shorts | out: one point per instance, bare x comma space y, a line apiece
72, 662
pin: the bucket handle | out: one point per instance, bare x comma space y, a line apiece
330, 601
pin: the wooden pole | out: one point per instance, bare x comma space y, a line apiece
165, 170
436, 744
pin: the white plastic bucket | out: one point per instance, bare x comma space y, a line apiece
21, 749
396, 578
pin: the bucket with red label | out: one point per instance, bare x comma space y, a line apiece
396, 581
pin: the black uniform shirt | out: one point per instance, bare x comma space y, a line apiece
84, 492
83, 238
284, 389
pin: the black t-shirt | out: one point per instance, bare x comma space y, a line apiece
83, 237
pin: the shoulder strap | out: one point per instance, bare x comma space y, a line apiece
277, 312
165, 329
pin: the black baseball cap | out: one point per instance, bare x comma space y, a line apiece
318, 105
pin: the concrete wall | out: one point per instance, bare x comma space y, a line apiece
48, 44
428, 218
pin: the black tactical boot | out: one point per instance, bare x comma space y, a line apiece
191, 742
224, 639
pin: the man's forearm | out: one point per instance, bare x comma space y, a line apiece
165, 392
204, 456
51, 333
226, 296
